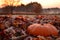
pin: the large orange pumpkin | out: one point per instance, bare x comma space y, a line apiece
38, 29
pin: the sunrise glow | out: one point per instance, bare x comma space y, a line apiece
44, 3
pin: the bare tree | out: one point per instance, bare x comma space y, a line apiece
10, 5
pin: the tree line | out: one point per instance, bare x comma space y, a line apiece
31, 7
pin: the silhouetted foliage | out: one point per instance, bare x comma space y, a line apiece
31, 7
20, 8
35, 7
8, 9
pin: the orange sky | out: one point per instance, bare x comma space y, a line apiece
44, 3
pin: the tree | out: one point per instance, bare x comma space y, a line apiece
8, 9
35, 7
10, 5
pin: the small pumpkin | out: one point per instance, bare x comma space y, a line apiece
15, 23
40, 16
2, 26
19, 17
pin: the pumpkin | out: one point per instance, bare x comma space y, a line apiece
2, 26
43, 30
38, 29
15, 23
19, 17
51, 23
40, 16
9, 15
52, 29
24, 19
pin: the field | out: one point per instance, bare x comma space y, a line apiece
17, 26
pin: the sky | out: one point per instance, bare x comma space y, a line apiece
44, 3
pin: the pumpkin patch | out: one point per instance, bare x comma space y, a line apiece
41, 27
